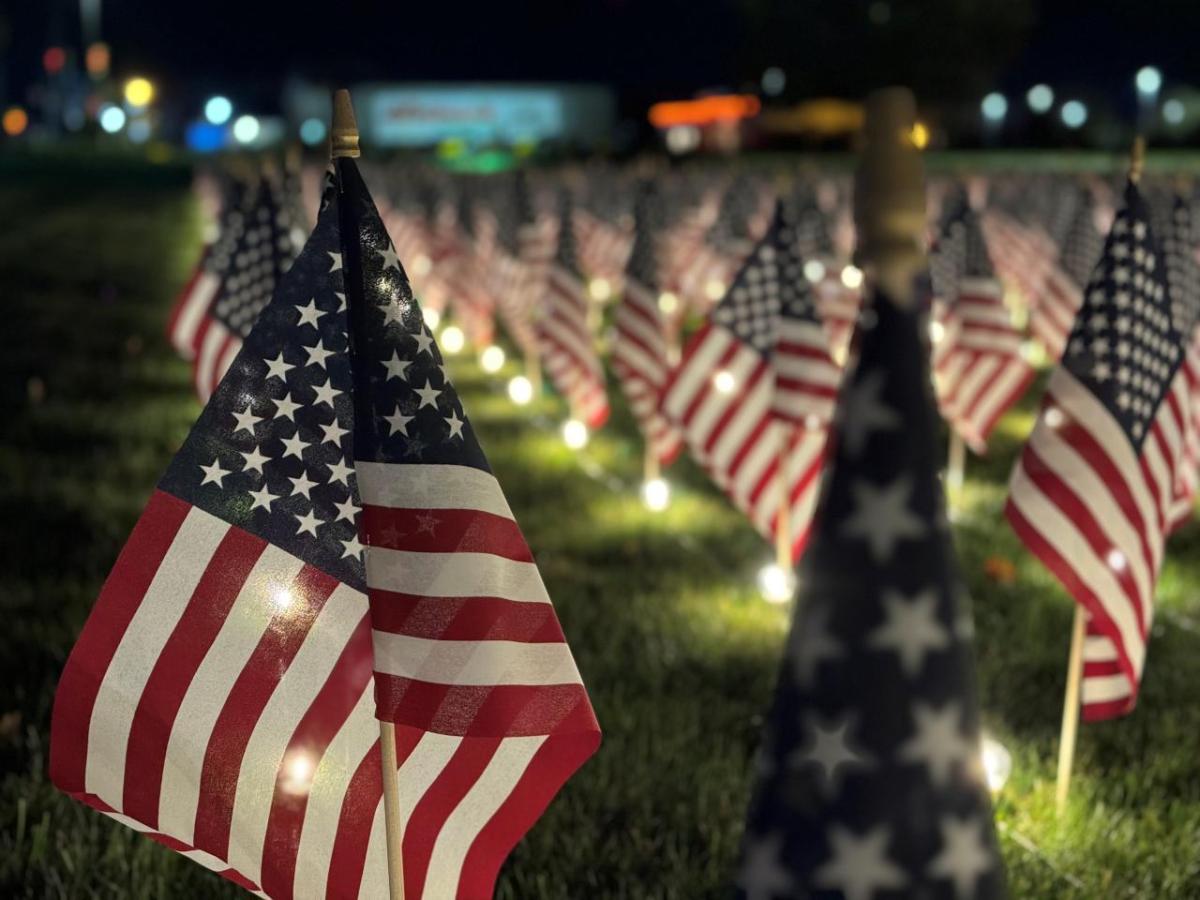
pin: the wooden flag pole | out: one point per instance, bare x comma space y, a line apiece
1070, 716
956, 464
343, 140
649, 463
889, 196
783, 516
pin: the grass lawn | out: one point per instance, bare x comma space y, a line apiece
677, 649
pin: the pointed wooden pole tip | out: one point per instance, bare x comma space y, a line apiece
343, 135
1137, 159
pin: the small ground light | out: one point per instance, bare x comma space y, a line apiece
937, 331
453, 339
656, 494
600, 289
852, 277
668, 303
520, 390
724, 381
814, 270
492, 359
246, 129
714, 289
432, 317
776, 584
575, 434
997, 762
218, 109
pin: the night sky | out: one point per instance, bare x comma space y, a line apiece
647, 49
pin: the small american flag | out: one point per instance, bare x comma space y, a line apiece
979, 367
640, 354
247, 261
568, 347
759, 368
869, 782
1053, 311
223, 695
1092, 492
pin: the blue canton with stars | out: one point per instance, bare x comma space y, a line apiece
1124, 347
770, 283
869, 782
273, 451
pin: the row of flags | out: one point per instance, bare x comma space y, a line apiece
329, 548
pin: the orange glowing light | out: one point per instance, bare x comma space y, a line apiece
98, 59
705, 111
15, 121
54, 59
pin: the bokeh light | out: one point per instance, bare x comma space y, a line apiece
15, 121
492, 359
656, 494
575, 434
139, 92
112, 118
453, 340
312, 131
246, 129
218, 109
520, 390
1040, 98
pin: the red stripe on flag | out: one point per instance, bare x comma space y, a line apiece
451, 531
240, 713
320, 724
182, 654
464, 618
93, 653
505, 710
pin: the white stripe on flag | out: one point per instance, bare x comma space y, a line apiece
458, 574
430, 487
474, 663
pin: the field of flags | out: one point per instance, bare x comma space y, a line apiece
783, 515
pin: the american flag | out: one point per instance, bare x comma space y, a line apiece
1053, 310
192, 304
1092, 492
463, 271
223, 695
640, 353
247, 261
979, 367
604, 247
869, 782
756, 388
568, 347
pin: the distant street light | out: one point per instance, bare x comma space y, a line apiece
1174, 112
774, 80
1149, 80
218, 109
994, 107
112, 118
246, 129
1040, 98
1074, 114
139, 92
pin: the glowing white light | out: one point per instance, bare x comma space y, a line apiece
1148, 80
1040, 98
432, 317
492, 359
724, 381
1054, 417
852, 277
814, 270
714, 289
600, 289
937, 331
1074, 114
298, 772
282, 598
1174, 112
575, 434
520, 390
422, 264
776, 584
682, 138
1116, 560
312, 131
997, 762
246, 129
656, 494
112, 119
668, 303
994, 106
218, 109
453, 339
